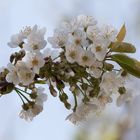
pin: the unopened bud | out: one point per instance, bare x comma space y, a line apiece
33, 95
124, 73
122, 90
12, 57
67, 105
25, 106
53, 91
108, 66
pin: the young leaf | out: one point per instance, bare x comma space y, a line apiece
121, 34
123, 47
131, 65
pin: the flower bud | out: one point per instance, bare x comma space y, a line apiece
33, 95
12, 57
25, 106
6, 88
67, 105
124, 73
108, 66
53, 91
122, 90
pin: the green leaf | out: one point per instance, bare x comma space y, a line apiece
123, 47
131, 65
121, 34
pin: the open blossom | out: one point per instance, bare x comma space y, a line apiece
26, 114
86, 58
93, 33
41, 96
37, 107
96, 69
86, 21
98, 51
59, 39
16, 40
35, 61
32, 112
70, 26
78, 38
85, 111
26, 31
109, 34
35, 40
111, 82
19, 38
12, 76
82, 113
72, 54
25, 74
128, 96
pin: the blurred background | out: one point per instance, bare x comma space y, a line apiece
123, 124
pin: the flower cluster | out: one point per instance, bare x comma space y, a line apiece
80, 58
23, 68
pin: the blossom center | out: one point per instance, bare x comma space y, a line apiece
98, 48
72, 54
77, 41
85, 58
35, 47
35, 62
28, 75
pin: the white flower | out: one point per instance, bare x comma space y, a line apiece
72, 54
109, 34
86, 21
111, 82
86, 58
37, 109
32, 112
82, 113
70, 26
25, 74
35, 40
59, 39
74, 118
26, 31
93, 33
78, 38
41, 96
12, 76
104, 99
96, 69
16, 40
35, 61
98, 51
126, 97
27, 114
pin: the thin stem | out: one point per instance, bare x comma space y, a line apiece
20, 96
83, 82
88, 81
75, 100
22, 91
56, 58
116, 70
23, 95
81, 91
